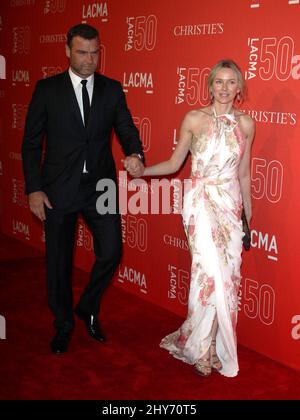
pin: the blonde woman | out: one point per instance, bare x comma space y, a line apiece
219, 138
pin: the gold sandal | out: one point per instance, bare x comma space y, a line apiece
203, 367
214, 360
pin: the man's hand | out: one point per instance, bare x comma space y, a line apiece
37, 201
134, 166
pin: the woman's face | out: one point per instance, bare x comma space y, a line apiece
225, 86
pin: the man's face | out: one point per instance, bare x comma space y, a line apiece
83, 55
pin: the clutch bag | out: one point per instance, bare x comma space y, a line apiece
246, 230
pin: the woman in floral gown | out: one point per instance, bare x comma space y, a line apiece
219, 138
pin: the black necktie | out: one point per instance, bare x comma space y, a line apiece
85, 102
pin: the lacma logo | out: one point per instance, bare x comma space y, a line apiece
266, 53
134, 277
20, 76
2, 67
84, 238
138, 80
179, 284
142, 33
21, 229
192, 82
95, 10
266, 242
2, 328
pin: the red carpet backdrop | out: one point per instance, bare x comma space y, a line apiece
162, 52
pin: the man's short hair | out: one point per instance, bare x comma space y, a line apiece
83, 30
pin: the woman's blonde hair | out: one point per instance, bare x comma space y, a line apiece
229, 64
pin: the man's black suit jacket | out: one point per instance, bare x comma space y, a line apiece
54, 113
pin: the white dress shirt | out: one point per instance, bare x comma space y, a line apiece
76, 82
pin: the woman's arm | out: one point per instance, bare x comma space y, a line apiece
248, 128
176, 160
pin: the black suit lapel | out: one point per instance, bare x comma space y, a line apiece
97, 102
71, 98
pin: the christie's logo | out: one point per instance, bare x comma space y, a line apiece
176, 242
95, 10
141, 33
138, 81
134, 277
20, 76
53, 38
179, 284
55, 6
18, 3
51, 71
192, 86
199, 29
266, 242
2, 67
84, 238
21, 39
18, 193
19, 115
273, 117
21, 229
272, 58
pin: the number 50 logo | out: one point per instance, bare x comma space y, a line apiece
260, 301
267, 179
137, 233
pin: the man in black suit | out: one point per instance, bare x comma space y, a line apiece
76, 111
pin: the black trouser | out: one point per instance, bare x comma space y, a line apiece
60, 228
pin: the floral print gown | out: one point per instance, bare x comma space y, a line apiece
212, 221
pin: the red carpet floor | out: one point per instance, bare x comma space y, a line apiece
129, 366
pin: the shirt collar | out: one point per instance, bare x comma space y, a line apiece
76, 80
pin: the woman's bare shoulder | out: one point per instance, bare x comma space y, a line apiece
245, 119
246, 123
196, 115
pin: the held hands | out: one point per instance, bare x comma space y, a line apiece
37, 201
134, 166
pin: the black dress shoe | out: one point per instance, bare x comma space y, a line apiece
92, 325
60, 342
